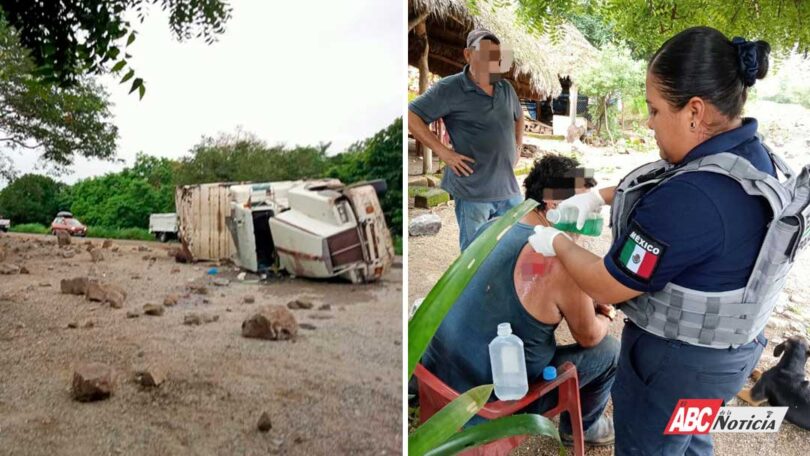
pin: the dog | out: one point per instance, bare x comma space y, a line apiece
785, 385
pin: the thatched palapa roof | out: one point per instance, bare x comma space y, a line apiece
539, 62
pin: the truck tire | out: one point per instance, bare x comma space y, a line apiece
163, 237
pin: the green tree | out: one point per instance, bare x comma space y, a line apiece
32, 198
127, 198
645, 24
243, 157
614, 75
69, 39
378, 157
60, 123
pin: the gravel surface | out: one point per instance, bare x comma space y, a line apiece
787, 128
335, 390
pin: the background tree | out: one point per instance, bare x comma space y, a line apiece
615, 75
60, 123
69, 39
32, 198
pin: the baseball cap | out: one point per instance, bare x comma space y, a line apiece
479, 34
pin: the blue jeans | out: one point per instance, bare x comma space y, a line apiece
654, 373
472, 214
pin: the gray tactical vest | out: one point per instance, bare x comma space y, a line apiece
729, 318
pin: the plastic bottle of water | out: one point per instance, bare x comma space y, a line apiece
508, 365
565, 219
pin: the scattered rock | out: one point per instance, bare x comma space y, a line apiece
271, 322
170, 300
321, 316
220, 282
133, 314
308, 326
325, 307
192, 319
136, 277
142, 248
114, 249
425, 225
91, 382
62, 239
89, 324
67, 254
198, 289
76, 286
264, 423
24, 270
299, 304
249, 299
210, 318
96, 255
106, 244
72, 325
152, 376
106, 293
44, 284
8, 269
153, 309
175, 270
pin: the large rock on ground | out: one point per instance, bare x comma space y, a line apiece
76, 286
153, 309
151, 376
106, 293
62, 238
92, 382
96, 255
299, 304
272, 323
425, 225
8, 269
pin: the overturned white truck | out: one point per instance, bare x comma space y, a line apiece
318, 228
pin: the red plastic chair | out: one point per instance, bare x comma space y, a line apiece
435, 394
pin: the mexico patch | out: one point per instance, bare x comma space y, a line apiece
640, 254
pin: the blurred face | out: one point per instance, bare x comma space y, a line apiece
485, 61
675, 130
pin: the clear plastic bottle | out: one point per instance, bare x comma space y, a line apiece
508, 365
565, 219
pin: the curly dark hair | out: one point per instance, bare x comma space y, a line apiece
552, 172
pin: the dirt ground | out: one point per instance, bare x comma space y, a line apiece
337, 389
429, 257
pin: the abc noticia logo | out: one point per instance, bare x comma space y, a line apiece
701, 416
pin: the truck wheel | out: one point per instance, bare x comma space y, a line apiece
163, 237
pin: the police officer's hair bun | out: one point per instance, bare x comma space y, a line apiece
763, 51
702, 62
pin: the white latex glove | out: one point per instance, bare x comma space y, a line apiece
542, 241
585, 203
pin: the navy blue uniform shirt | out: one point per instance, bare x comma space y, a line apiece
707, 230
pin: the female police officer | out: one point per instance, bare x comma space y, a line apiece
685, 246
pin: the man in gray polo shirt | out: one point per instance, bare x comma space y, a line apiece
484, 119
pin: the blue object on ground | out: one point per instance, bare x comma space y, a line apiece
213, 271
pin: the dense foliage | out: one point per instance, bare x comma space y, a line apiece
32, 198
59, 123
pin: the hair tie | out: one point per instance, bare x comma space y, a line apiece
747, 53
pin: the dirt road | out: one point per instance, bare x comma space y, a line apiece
334, 390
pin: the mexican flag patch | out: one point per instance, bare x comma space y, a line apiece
640, 254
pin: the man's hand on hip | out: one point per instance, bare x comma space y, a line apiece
456, 162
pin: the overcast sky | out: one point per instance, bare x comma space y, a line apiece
294, 72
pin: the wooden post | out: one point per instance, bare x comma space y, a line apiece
573, 98
424, 80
